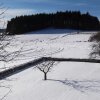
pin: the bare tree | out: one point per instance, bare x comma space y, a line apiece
45, 67
5, 40
95, 50
95, 38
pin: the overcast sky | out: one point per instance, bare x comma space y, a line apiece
23, 7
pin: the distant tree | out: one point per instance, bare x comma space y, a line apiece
45, 67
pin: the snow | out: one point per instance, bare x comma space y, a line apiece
66, 81
44, 45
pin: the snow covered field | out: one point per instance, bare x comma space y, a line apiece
66, 81
45, 45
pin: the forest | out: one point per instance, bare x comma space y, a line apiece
67, 20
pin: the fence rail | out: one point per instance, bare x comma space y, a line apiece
6, 73
72, 60
19, 68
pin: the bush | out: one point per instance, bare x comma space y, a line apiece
95, 37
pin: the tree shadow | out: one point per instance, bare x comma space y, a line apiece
82, 86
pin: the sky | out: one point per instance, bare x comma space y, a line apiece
28, 7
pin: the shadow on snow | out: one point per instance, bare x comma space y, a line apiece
82, 86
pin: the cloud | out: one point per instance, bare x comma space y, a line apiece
73, 4
11, 13
27, 0
18, 12
81, 4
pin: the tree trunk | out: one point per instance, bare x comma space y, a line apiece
45, 76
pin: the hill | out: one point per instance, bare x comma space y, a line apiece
65, 20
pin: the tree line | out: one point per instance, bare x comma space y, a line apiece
67, 19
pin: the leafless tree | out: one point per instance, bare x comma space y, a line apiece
5, 41
95, 38
95, 50
45, 67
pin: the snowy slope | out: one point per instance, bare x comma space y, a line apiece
66, 81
